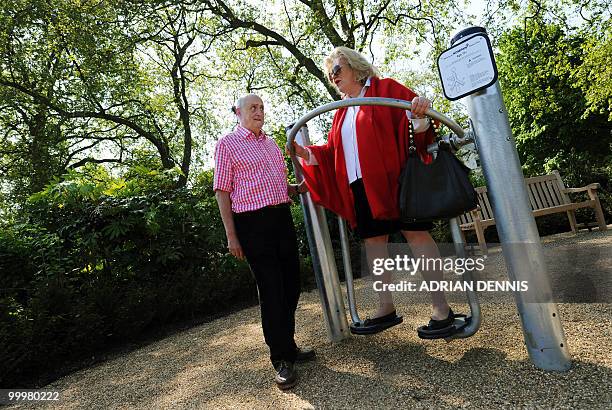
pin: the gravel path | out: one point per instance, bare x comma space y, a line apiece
224, 364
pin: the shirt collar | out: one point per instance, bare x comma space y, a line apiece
250, 135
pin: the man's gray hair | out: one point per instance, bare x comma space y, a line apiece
240, 102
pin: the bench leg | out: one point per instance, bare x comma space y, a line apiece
571, 215
481, 238
462, 236
466, 246
599, 215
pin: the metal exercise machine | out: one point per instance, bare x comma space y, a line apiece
467, 70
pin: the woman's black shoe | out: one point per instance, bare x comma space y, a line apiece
376, 325
440, 329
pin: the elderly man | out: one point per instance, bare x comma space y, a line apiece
253, 196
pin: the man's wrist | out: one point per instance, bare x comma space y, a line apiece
296, 189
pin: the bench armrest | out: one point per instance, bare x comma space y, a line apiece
582, 189
475, 213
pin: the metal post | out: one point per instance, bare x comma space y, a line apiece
323, 262
516, 226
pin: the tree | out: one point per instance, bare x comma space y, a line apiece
594, 76
551, 119
282, 50
113, 77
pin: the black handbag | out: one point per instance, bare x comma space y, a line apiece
440, 190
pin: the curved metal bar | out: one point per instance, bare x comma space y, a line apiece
323, 261
387, 102
472, 296
348, 271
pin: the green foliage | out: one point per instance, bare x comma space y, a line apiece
94, 261
554, 125
594, 76
92, 255
85, 269
104, 82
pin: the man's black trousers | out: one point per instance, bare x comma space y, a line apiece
268, 240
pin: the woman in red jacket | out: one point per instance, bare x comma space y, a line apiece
356, 173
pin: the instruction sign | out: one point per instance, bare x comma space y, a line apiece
467, 67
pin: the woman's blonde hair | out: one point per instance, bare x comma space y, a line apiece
358, 63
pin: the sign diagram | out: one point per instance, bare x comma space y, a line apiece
467, 67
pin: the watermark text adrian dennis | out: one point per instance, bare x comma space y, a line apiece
405, 264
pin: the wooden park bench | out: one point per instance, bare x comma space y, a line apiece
547, 195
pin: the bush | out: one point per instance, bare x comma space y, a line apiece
89, 265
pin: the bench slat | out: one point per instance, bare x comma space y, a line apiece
545, 195
552, 193
536, 197
541, 178
481, 205
532, 201
566, 198
489, 209
544, 189
465, 218
555, 193
536, 187
483, 211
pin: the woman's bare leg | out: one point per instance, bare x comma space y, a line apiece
376, 248
421, 243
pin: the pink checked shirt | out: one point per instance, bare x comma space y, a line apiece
252, 169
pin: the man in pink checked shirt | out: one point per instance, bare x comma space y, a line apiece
253, 196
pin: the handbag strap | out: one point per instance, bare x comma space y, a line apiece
411, 144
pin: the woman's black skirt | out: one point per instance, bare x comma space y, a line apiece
368, 227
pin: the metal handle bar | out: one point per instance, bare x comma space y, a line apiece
387, 102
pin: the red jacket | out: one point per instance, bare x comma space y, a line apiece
382, 137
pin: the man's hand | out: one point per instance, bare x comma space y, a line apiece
300, 151
302, 188
233, 244
225, 208
294, 189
